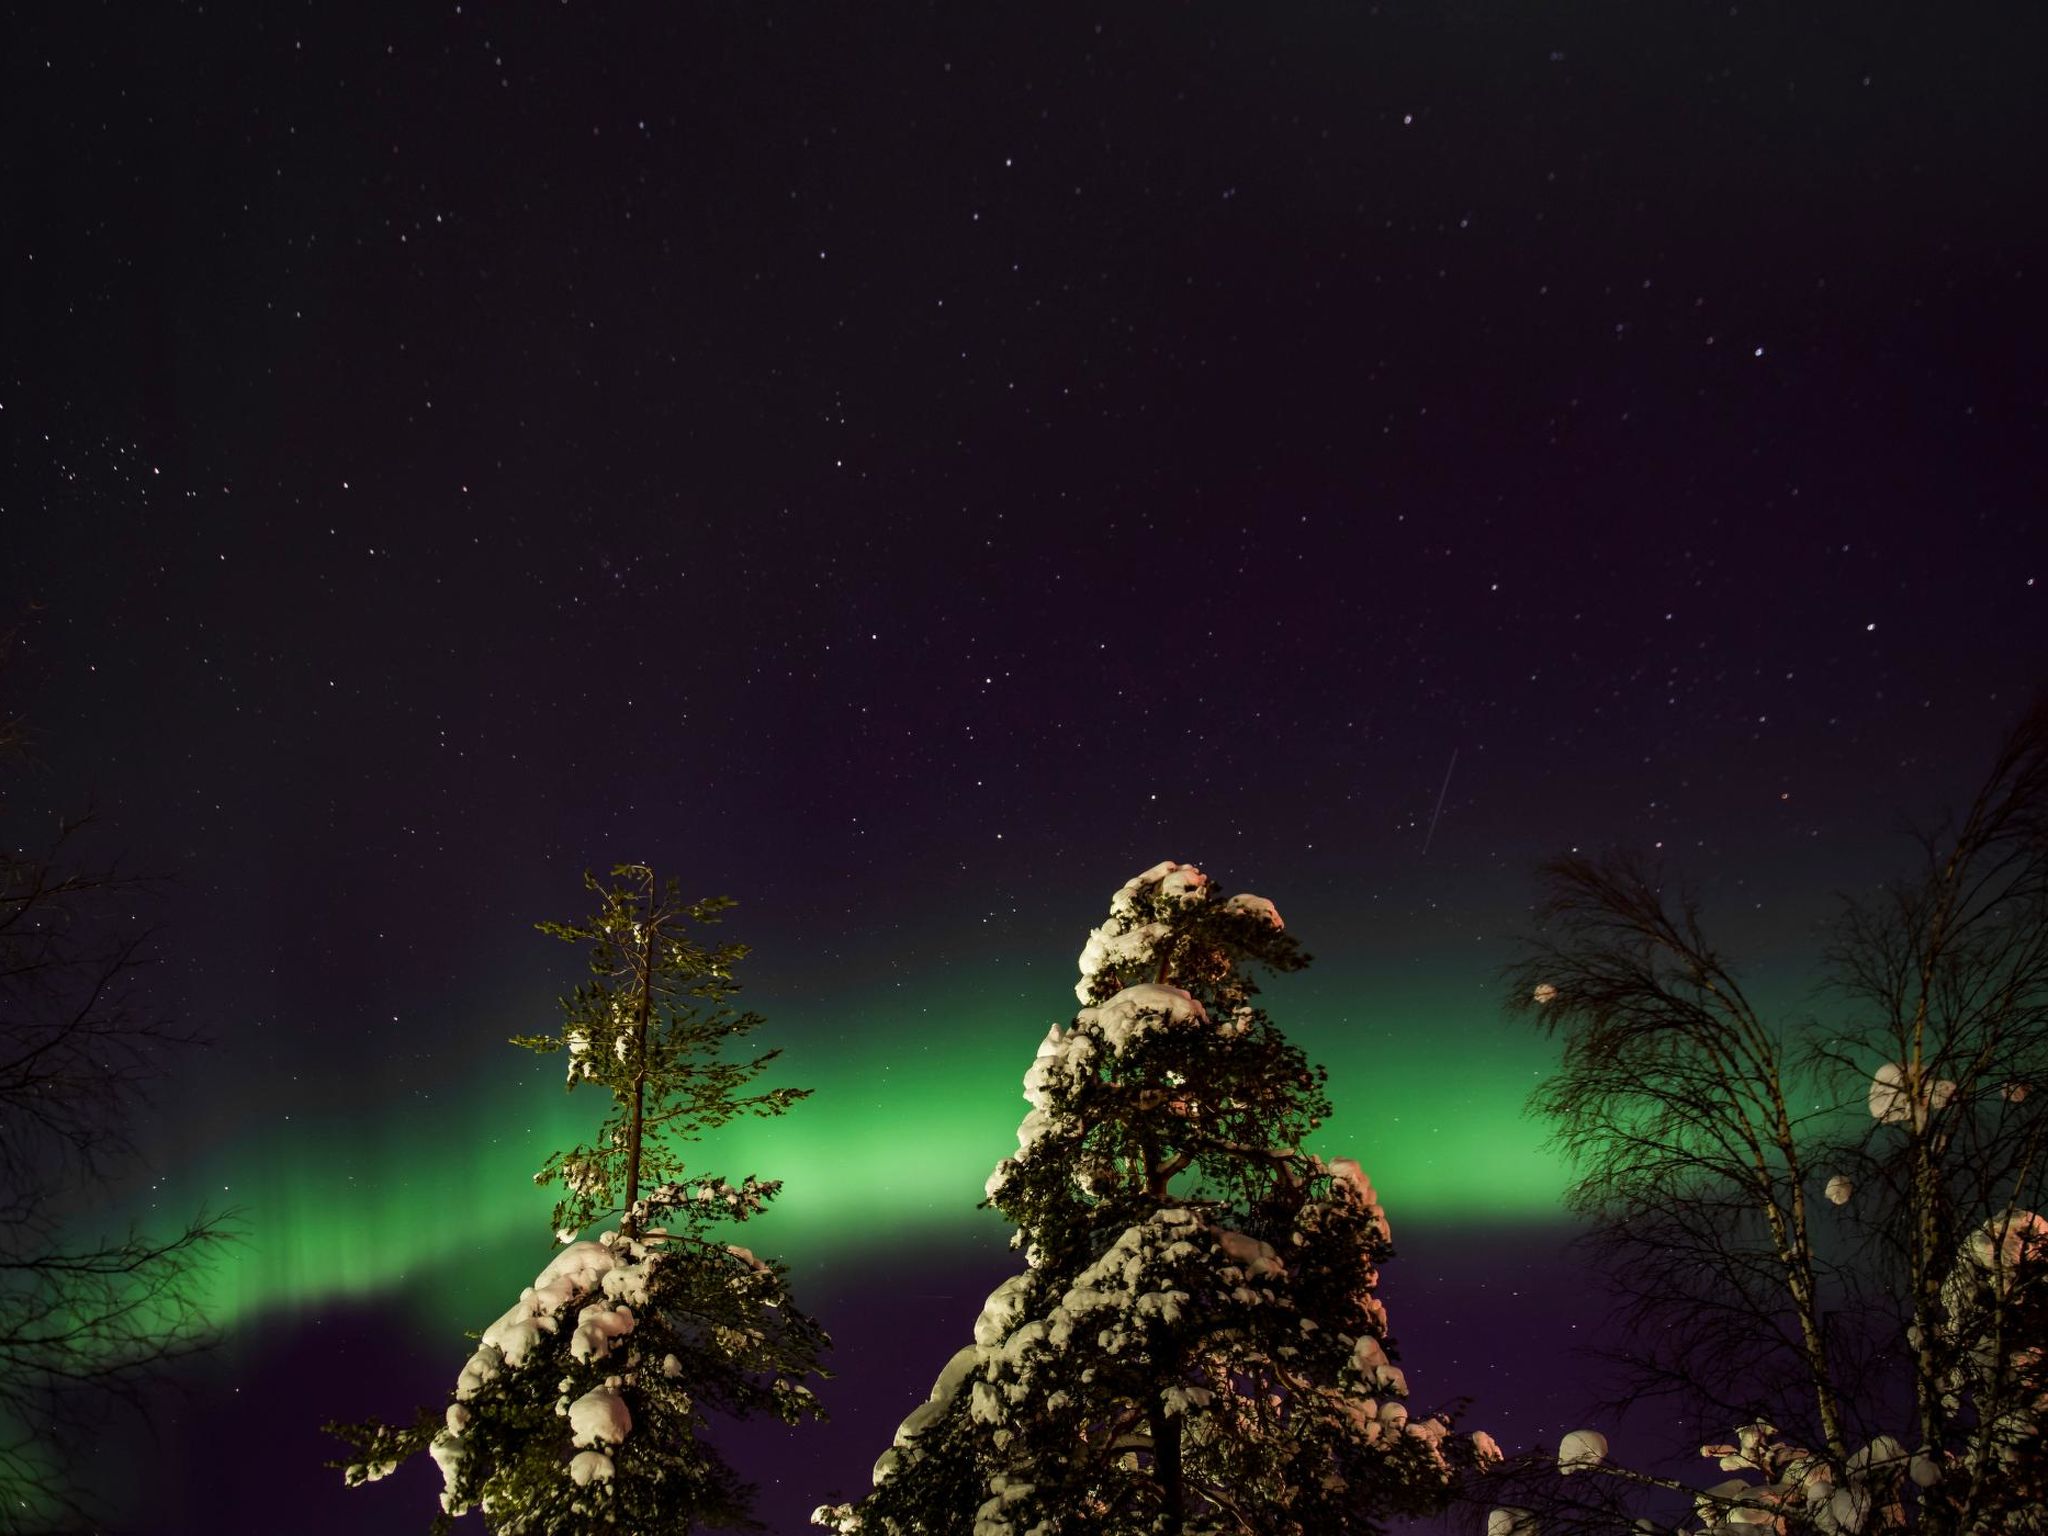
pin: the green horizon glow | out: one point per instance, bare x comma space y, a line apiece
906, 1121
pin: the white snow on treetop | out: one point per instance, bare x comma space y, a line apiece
1049, 1331
1182, 883
1123, 946
1840, 1188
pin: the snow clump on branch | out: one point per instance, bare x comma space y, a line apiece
1066, 1055
1899, 1095
1580, 1449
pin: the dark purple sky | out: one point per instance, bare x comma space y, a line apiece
913, 468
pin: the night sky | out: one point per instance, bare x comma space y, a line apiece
910, 469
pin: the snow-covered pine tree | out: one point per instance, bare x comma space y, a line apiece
1195, 1346
583, 1405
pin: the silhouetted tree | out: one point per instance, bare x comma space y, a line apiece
1823, 1236
89, 1316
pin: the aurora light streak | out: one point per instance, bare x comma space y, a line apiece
891, 1149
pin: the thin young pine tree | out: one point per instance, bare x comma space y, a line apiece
1195, 1345
584, 1405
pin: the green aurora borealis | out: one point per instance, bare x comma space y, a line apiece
892, 1148
910, 474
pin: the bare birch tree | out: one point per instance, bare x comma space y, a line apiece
91, 1311
1821, 1232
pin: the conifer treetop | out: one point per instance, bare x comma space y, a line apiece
649, 1027
1194, 1345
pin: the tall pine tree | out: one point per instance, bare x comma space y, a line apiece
583, 1406
1195, 1346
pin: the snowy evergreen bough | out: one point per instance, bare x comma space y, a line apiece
1195, 1345
583, 1405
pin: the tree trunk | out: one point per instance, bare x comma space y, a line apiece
642, 1009
1166, 1463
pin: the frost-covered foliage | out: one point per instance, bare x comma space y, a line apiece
1194, 1344
1821, 1229
583, 1405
